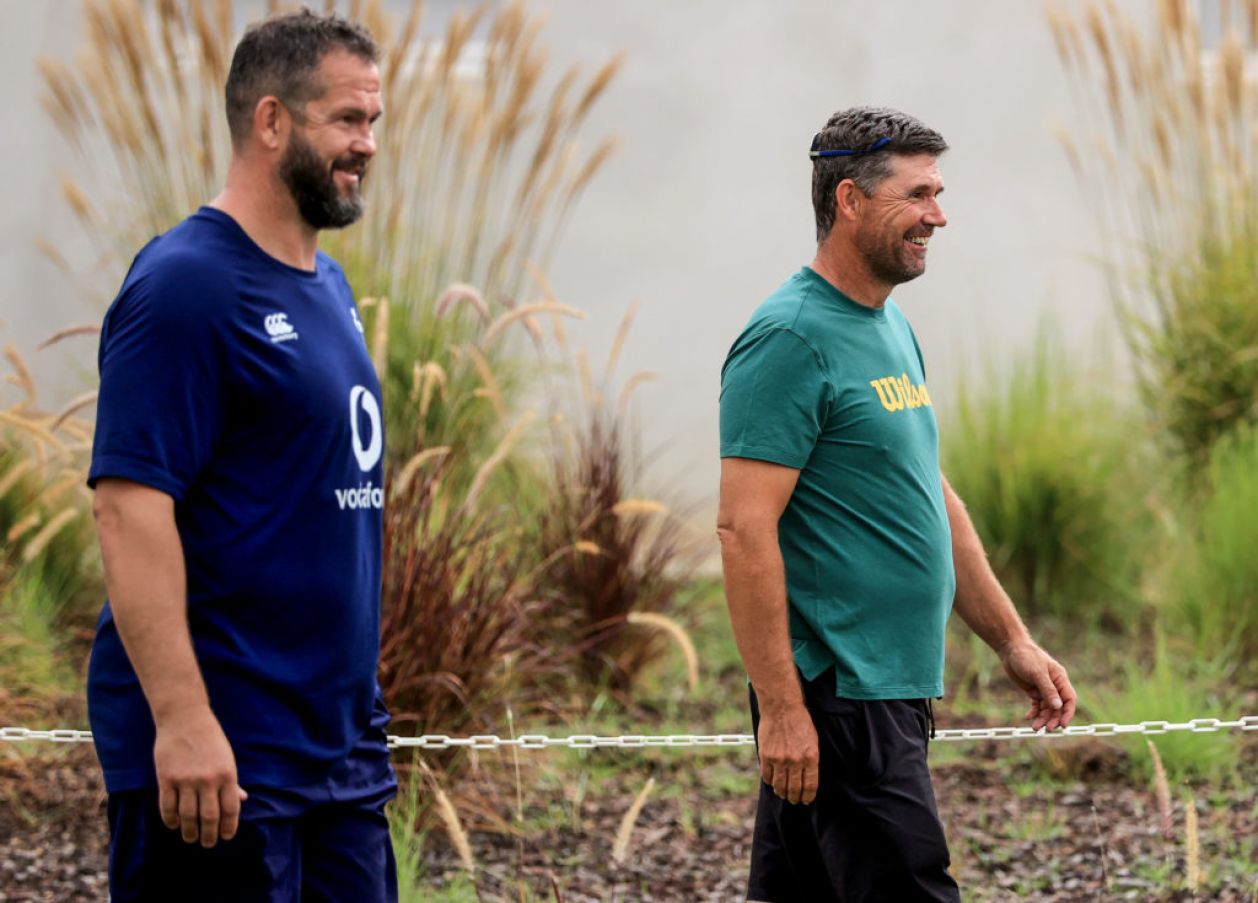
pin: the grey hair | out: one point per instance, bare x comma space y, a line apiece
856, 129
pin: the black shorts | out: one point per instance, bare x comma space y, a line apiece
873, 832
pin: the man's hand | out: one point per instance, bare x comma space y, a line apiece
789, 757
196, 778
1043, 679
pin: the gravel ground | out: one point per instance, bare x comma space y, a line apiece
1092, 836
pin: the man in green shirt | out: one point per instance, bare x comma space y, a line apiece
844, 548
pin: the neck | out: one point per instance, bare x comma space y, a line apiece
262, 205
841, 265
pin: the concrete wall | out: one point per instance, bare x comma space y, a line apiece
705, 208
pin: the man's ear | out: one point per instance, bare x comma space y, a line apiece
271, 122
847, 200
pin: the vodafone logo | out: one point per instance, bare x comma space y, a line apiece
368, 455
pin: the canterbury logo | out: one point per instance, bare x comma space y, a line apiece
278, 328
898, 392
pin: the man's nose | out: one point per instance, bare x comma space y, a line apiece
365, 144
935, 216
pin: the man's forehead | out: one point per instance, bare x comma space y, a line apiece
916, 168
341, 72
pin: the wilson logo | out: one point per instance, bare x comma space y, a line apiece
898, 393
278, 328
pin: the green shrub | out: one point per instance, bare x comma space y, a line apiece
1044, 460
1214, 586
1166, 153
1198, 352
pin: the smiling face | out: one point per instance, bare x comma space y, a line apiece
894, 224
331, 142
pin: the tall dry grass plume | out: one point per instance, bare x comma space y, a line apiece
624, 833
43, 467
1166, 148
1192, 846
50, 579
1162, 790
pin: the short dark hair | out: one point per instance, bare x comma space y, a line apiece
856, 129
280, 56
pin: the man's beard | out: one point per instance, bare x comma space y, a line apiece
885, 262
312, 183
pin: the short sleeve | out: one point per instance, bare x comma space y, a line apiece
774, 398
162, 371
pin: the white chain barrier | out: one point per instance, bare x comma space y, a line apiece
638, 741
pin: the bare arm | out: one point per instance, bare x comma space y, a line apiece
985, 606
753, 496
144, 574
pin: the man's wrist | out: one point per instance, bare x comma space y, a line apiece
1009, 647
184, 708
780, 698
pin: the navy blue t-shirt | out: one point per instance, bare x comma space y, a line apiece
242, 387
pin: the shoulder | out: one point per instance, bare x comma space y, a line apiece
770, 348
197, 258
781, 321
180, 277
335, 273
898, 321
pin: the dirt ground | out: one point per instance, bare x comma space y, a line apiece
1092, 835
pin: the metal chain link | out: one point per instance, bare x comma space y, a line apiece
638, 741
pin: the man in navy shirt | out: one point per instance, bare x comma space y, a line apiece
238, 477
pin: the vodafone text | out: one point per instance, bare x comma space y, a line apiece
363, 496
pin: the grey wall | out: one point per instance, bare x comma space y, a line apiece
705, 208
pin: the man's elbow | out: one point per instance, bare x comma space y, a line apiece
741, 533
119, 505
105, 511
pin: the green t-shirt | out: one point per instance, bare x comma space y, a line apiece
837, 390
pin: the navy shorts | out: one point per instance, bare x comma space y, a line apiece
873, 832
334, 852
323, 843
